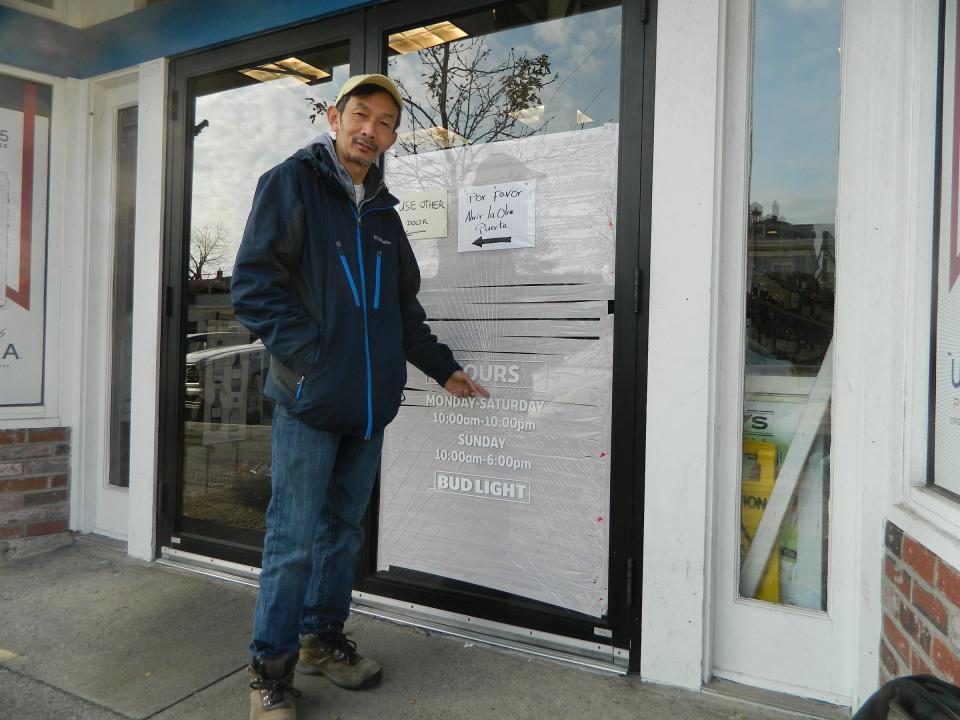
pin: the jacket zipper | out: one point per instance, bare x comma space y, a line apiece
376, 304
316, 359
346, 270
366, 337
356, 297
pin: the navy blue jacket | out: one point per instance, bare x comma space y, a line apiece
331, 289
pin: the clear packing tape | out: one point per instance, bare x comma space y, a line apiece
512, 492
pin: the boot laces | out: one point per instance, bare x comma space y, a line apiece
341, 647
274, 690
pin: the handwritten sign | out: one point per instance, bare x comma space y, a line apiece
424, 214
496, 217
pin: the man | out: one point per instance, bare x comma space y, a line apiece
326, 277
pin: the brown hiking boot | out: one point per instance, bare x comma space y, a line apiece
336, 658
271, 688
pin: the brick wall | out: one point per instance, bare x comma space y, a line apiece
34, 490
921, 611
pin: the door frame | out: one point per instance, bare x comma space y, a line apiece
629, 358
363, 29
344, 28
760, 621
105, 507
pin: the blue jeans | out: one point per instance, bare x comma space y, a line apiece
321, 487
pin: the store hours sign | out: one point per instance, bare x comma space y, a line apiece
24, 150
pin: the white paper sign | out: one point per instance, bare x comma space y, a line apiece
424, 214
497, 217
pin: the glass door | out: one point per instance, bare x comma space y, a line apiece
254, 108
506, 168
783, 571
510, 169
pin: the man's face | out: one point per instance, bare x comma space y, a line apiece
365, 129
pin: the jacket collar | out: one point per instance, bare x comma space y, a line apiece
321, 155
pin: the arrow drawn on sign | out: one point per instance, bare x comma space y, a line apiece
481, 241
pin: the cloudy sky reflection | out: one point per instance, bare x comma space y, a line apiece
796, 108
252, 128
796, 94
584, 52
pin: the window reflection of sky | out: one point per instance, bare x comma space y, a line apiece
796, 108
254, 127
584, 52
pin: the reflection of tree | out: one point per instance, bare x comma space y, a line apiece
470, 98
208, 248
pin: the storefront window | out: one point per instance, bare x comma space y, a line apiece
24, 152
506, 168
245, 120
790, 244
945, 434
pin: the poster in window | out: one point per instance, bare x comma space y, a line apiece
24, 154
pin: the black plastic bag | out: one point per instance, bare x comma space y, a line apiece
916, 697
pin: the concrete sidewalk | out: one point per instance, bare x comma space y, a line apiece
87, 633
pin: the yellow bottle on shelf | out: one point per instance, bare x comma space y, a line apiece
759, 476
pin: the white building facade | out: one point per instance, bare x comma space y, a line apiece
702, 253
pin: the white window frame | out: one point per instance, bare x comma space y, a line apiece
57, 12
919, 509
839, 622
88, 465
61, 286
96, 352
884, 262
147, 308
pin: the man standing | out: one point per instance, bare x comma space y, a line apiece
326, 277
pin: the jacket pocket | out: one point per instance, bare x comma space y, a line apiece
284, 378
376, 287
290, 381
346, 270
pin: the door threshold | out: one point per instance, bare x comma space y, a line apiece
580, 653
783, 702
589, 655
211, 567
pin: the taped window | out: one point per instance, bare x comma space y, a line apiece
506, 168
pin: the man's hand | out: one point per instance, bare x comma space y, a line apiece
462, 385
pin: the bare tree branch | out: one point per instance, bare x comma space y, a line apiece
208, 248
469, 96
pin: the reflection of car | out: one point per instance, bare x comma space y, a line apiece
225, 384
210, 340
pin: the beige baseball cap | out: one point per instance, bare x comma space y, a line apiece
381, 81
